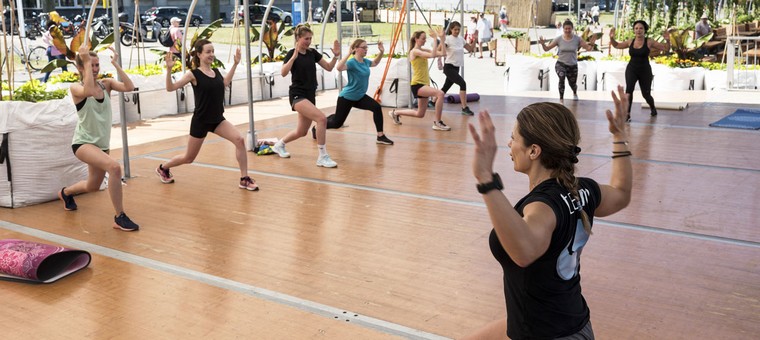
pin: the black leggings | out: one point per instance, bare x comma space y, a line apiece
642, 74
453, 77
571, 72
344, 107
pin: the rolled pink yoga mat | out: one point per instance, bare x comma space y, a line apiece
454, 98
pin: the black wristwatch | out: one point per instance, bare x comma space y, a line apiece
495, 183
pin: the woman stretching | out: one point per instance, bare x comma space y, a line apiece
92, 136
455, 46
301, 62
421, 89
638, 69
208, 86
567, 52
355, 93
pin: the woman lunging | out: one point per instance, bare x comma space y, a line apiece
421, 89
208, 86
301, 62
92, 136
355, 93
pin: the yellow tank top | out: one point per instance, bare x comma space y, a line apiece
420, 75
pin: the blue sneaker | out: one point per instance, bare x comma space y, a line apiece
68, 201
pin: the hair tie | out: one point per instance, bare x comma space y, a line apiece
575, 150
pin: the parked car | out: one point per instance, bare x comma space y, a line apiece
287, 17
162, 15
256, 13
345, 15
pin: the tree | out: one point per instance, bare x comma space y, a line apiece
48, 5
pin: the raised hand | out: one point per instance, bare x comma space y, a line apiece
169, 57
336, 48
618, 118
237, 56
84, 53
541, 40
485, 147
612, 32
380, 47
114, 56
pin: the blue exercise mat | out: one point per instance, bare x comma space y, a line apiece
748, 119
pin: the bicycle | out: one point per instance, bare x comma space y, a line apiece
37, 57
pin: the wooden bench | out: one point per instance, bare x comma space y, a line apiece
358, 31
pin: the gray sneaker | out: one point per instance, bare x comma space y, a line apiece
395, 117
279, 149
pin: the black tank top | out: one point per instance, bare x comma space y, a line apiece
209, 97
639, 55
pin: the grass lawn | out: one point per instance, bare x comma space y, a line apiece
383, 30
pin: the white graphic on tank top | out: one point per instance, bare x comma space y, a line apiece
568, 263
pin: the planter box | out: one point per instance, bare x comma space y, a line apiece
527, 74
36, 137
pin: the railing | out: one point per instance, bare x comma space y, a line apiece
742, 54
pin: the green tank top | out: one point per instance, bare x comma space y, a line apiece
94, 126
420, 75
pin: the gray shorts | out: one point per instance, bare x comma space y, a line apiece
484, 40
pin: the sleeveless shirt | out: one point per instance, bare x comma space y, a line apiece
209, 97
94, 125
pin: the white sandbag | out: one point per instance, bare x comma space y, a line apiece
157, 102
715, 80
327, 80
586, 77
677, 79
39, 150
527, 74
610, 74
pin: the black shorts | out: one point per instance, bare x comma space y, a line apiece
200, 129
416, 88
75, 147
296, 96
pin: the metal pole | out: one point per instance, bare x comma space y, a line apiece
339, 22
409, 38
249, 79
122, 107
325, 16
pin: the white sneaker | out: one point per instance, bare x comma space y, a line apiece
326, 162
575, 97
279, 149
440, 126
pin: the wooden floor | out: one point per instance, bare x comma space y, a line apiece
394, 242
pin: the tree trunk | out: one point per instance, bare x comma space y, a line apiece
214, 8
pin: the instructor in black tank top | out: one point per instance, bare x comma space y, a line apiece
208, 86
638, 69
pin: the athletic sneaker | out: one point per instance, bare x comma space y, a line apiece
164, 175
467, 112
440, 126
326, 161
384, 140
653, 113
575, 97
431, 104
248, 183
396, 119
68, 201
124, 223
313, 132
279, 149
